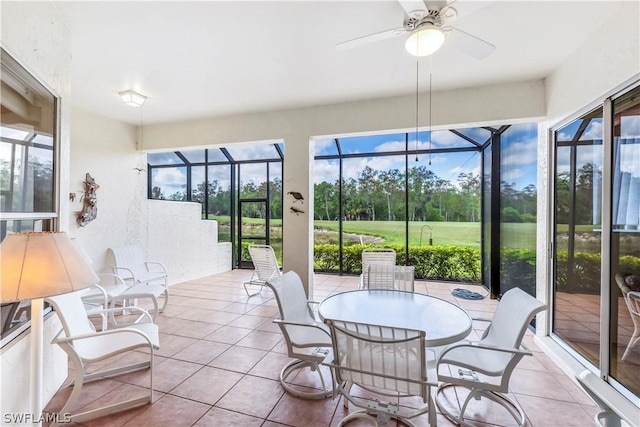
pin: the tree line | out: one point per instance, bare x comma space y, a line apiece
376, 196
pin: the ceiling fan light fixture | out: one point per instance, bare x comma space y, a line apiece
132, 98
425, 41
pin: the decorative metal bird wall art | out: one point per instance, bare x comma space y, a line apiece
297, 197
296, 211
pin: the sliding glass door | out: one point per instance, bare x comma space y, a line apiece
597, 238
578, 155
625, 240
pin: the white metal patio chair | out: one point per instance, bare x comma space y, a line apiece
484, 367
394, 277
308, 340
84, 345
142, 276
386, 361
265, 267
113, 291
632, 300
380, 256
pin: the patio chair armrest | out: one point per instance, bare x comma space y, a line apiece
100, 297
149, 264
58, 339
117, 278
125, 269
481, 319
142, 311
483, 347
307, 325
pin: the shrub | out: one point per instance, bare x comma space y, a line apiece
430, 262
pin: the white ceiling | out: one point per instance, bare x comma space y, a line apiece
213, 58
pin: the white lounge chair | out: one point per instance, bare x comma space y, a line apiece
265, 267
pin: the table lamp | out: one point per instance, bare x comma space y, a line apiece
33, 266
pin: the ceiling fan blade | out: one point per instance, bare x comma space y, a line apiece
469, 44
360, 41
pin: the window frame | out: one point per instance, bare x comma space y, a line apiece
42, 221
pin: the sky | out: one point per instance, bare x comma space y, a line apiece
521, 170
520, 139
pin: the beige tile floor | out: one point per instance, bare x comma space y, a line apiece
220, 356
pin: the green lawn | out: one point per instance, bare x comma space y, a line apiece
520, 235
393, 232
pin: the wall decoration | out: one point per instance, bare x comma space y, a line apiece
296, 211
297, 197
89, 210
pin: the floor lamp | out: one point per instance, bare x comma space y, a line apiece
33, 266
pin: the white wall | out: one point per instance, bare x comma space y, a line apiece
169, 232
46, 53
609, 59
187, 245
107, 150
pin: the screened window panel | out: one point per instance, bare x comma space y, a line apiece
169, 183
170, 158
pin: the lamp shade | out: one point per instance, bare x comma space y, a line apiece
132, 98
41, 264
425, 40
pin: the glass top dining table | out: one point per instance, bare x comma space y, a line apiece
442, 321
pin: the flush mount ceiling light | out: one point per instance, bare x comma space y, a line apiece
425, 41
132, 98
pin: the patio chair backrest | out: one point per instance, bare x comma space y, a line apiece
131, 257
73, 316
380, 256
291, 298
511, 319
380, 357
294, 308
264, 261
394, 277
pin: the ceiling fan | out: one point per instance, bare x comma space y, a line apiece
427, 26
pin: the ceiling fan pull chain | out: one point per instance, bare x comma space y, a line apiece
417, 92
430, 75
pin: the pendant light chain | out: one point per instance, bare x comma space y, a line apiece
141, 130
417, 109
430, 75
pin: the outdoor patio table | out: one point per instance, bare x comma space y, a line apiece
442, 321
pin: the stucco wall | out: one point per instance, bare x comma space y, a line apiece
46, 53
608, 59
187, 245
107, 150
170, 232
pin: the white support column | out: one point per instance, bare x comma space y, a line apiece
297, 233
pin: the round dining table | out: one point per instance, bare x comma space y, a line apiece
442, 321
